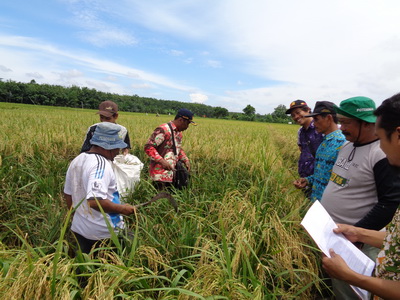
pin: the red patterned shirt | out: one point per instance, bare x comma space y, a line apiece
160, 146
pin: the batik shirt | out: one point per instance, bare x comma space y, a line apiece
324, 160
308, 140
388, 260
160, 146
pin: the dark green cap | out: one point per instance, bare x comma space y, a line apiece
358, 108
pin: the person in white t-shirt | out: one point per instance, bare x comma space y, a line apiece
90, 188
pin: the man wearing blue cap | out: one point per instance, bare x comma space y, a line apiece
90, 187
164, 147
363, 189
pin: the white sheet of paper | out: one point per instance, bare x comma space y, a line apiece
320, 225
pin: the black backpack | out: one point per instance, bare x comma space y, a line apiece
181, 174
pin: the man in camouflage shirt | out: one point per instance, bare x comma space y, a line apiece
160, 149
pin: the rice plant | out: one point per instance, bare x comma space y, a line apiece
237, 235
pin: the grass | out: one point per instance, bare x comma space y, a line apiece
237, 235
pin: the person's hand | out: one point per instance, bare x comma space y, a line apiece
350, 232
187, 164
300, 183
336, 267
127, 209
166, 165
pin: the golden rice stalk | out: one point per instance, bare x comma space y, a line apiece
155, 260
287, 256
207, 280
31, 280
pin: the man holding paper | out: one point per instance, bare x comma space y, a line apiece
386, 284
363, 189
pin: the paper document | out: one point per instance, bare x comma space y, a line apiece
320, 225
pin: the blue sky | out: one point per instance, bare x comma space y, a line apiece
227, 53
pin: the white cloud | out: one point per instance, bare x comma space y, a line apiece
111, 78
177, 17
176, 53
31, 53
142, 86
98, 85
133, 75
198, 98
95, 30
214, 64
74, 73
35, 75
104, 37
5, 69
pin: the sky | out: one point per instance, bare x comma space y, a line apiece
227, 53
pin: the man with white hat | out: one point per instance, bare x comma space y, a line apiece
90, 188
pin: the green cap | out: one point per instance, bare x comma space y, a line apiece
358, 108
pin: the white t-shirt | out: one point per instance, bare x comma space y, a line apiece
90, 175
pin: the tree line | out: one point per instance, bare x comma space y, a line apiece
277, 116
83, 97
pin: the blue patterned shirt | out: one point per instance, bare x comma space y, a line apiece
325, 158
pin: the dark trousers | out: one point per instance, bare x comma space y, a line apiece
163, 186
85, 244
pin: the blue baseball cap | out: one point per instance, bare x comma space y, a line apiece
186, 114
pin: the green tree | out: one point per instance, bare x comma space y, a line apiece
75, 96
280, 112
249, 110
220, 112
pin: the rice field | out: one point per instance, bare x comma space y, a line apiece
237, 235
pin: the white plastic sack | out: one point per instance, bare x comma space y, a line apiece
127, 170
